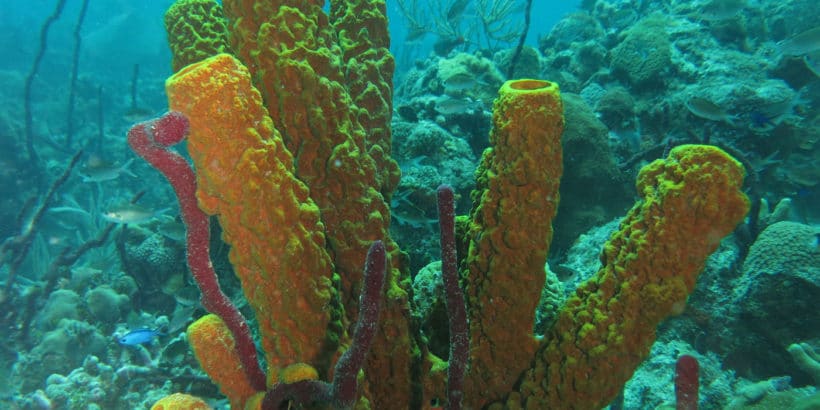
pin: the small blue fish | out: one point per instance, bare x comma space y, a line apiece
804, 193
139, 336
761, 121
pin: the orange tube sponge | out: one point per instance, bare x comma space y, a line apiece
515, 199
291, 48
213, 346
689, 202
245, 177
299, 61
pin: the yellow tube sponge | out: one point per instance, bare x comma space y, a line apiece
196, 30
245, 177
689, 202
362, 32
515, 199
213, 346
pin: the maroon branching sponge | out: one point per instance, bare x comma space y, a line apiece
152, 140
347, 368
686, 383
343, 391
456, 310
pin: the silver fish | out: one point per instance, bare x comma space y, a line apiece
448, 105
706, 109
171, 229
460, 81
405, 212
803, 43
721, 10
131, 214
415, 32
181, 316
812, 61
97, 169
456, 9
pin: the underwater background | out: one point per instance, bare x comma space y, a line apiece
97, 293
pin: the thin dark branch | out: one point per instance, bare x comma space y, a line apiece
35, 67
521, 40
15, 249
75, 64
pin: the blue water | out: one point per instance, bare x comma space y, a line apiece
117, 34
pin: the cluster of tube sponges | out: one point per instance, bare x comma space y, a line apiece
290, 139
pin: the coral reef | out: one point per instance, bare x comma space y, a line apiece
507, 221
428, 154
292, 210
590, 173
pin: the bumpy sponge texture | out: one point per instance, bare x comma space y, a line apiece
180, 401
245, 177
213, 345
196, 30
689, 202
515, 199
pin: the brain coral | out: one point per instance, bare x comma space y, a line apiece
644, 53
785, 247
776, 301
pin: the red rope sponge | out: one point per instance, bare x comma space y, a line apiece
152, 140
687, 373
